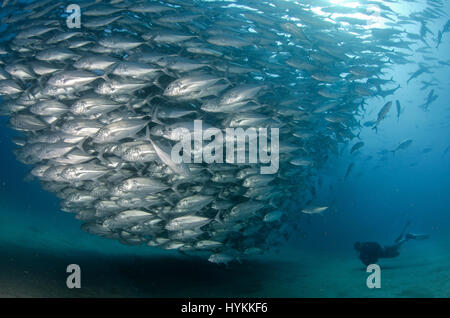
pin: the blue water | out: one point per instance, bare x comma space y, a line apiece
38, 241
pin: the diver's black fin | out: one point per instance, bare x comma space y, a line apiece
411, 236
408, 223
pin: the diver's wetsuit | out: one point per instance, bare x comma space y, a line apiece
370, 252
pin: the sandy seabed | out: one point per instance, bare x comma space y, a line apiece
27, 270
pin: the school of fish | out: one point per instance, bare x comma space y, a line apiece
98, 109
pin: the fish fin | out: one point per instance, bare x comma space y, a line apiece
147, 134
140, 171
53, 125
66, 67
217, 218
105, 77
272, 204
171, 73
168, 201
221, 196
129, 107
80, 145
39, 82
149, 98
100, 158
155, 117
27, 91
158, 84
163, 217
174, 188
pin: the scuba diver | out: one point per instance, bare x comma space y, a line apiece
370, 252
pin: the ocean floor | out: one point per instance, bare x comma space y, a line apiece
33, 262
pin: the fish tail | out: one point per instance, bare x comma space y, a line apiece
105, 77
272, 204
217, 218
375, 128
147, 134
174, 189
80, 145
130, 107
101, 158
155, 117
